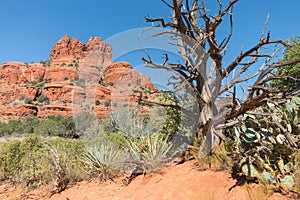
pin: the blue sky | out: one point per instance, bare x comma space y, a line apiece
29, 28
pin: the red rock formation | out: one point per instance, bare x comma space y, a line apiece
77, 73
54, 110
11, 73
115, 71
121, 74
17, 93
102, 111
35, 72
102, 93
94, 53
18, 111
58, 92
67, 49
60, 73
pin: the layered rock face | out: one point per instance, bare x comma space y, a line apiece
76, 73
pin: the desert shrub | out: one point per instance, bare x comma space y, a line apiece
10, 157
66, 161
139, 134
43, 99
47, 127
97, 102
29, 123
69, 128
217, 158
107, 103
32, 83
12, 127
36, 161
45, 63
75, 63
3, 129
57, 126
19, 160
173, 116
110, 84
66, 126
52, 126
28, 100
119, 139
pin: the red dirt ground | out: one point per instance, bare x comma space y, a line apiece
183, 181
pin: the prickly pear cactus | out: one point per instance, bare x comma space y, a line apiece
264, 142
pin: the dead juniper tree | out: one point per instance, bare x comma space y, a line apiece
195, 31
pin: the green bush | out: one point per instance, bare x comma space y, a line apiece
32, 83
46, 63
107, 103
97, 102
57, 126
10, 157
35, 161
29, 123
52, 126
28, 100
16, 127
119, 139
12, 127
43, 99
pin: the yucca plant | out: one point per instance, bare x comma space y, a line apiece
152, 151
103, 159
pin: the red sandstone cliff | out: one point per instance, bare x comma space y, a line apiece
76, 72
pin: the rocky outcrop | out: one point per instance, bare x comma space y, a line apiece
59, 73
35, 72
54, 110
78, 75
8, 94
103, 93
11, 73
69, 50
103, 111
58, 92
17, 111
114, 72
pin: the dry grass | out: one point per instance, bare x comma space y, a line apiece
257, 192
